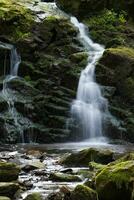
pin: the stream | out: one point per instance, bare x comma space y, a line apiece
38, 162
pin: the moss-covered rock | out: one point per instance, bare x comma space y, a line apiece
4, 198
116, 181
34, 196
83, 157
116, 70
83, 192
8, 189
61, 177
8, 172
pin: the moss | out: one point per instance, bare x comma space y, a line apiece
16, 19
60, 177
34, 196
83, 157
4, 198
82, 192
8, 189
8, 171
124, 51
93, 166
107, 27
115, 181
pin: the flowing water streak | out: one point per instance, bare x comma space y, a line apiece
6, 92
89, 106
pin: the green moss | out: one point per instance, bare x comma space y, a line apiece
16, 19
107, 27
8, 171
34, 196
83, 157
61, 177
93, 166
82, 192
115, 181
123, 51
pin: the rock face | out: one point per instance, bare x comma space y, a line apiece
116, 67
52, 59
86, 7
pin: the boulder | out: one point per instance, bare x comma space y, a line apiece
85, 156
4, 198
8, 172
115, 181
34, 196
82, 192
8, 189
61, 177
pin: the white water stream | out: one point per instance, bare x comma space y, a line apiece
89, 106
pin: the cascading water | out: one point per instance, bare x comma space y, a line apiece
9, 75
88, 108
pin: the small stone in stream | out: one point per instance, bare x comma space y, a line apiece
70, 171
32, 166
34, 196
65, 190
8, 189
4, 198
60, 177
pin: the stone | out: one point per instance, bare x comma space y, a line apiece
8, 189
8, 172
61, 177
83, 157
4, 198
115, 181
34, 196
82, 192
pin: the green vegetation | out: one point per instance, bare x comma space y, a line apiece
107, 27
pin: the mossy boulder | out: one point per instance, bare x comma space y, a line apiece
83, 157
4, 198
15, 20
61, 177
82, 192
116, 69
8, 172
34, 196
116, 181
8, 189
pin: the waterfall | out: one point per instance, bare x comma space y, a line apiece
88, 108
9, 75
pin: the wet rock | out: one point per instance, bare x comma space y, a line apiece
32, 166
55, 196
70, 171
115, 181
83, 157
8, 172
8, 189
4, 198
93, 166
116, 68
34, 196
82, 192
60, 177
